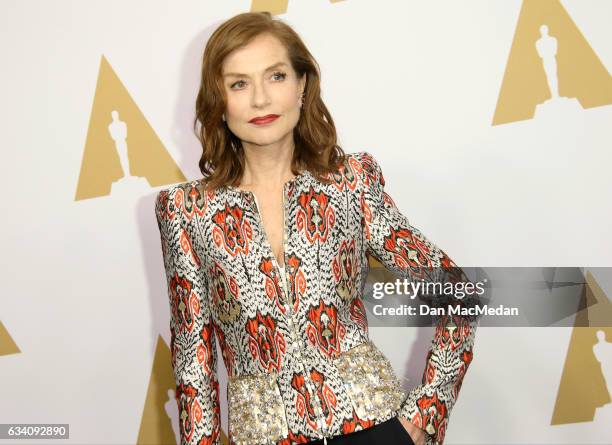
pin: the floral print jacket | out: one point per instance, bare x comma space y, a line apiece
300, 364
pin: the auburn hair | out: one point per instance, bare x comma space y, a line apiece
222, 161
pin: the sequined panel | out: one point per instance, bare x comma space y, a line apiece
256, 411
370, 381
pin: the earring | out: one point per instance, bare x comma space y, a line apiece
301, 100
223, 117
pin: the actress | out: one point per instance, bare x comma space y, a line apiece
268, 255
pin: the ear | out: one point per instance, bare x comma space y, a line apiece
303, 82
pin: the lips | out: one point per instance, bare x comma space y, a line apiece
264, 119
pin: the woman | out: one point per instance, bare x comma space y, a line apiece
268, 254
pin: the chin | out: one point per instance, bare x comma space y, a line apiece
264, 137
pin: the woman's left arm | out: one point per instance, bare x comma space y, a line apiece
403, 249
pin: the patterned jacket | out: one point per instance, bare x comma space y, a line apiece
300, 363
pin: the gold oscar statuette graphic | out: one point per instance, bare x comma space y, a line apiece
275, 7
7, 344
551, 67
586, 380
121, 149
159, 423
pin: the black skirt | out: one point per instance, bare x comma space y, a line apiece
391, 432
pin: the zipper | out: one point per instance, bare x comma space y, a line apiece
287, 285
284, 275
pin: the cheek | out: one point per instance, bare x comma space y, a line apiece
236, 106
289, 100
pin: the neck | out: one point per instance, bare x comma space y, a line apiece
267, 167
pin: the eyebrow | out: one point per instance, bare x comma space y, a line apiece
276, 65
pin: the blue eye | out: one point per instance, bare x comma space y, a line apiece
281, 76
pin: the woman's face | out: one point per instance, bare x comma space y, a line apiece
260, 81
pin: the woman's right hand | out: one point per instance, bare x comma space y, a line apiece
416, 434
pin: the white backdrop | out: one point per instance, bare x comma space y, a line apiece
415, 83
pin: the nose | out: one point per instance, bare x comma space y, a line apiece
260, 97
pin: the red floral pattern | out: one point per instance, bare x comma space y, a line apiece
223, 285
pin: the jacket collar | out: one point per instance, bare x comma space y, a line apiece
295, 181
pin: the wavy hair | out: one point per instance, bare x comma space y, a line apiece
222, 161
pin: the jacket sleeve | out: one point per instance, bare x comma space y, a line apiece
403, 249
192, 340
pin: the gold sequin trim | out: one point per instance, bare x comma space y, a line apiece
370, 381
256, 410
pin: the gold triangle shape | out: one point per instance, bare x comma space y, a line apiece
582, 388
581, 74
155, 425
273, 6
379, 273
147, 156
7, 345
